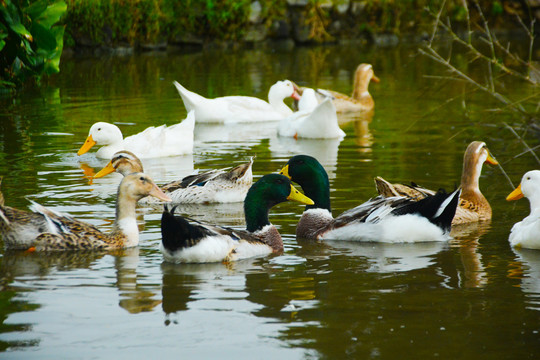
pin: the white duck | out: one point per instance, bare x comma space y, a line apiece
240, 108
526, 233
153, 142
314, 123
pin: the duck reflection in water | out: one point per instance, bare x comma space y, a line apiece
189, 283
526, 268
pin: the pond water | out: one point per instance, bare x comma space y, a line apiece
473, 297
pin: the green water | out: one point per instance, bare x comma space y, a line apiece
472, 298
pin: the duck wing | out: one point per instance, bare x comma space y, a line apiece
179, 232
439, 209
387, 189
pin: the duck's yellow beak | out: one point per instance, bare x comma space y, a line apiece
285, 171
375, 79
87, 145
296, 195
105, 171
491, 160
515, 195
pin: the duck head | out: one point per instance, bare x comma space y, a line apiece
124, 162
101, 133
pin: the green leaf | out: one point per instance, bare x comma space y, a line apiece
43, 37
52, 14
21, 30
36, 9
52, 65
2, 44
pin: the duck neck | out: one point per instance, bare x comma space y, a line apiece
318, 190
256, 213
470, 176
534, 202
126, 221
360, 89
277, 103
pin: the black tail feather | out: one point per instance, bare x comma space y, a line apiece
177, 232
429, 207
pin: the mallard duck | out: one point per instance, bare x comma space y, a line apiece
360, 100
240, 108
45, 229
214, 186
190, 241
526, 233
394, 220
473, 206
153, 142
319, 123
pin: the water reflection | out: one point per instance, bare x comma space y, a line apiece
135, 296
467, 240
529, 274
183, 284
360, 122
324, 150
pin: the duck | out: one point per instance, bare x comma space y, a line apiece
214, 186
319, 123
161, 141
186, 240
473, 206
360, 100
526, 233
391, 220
44, 229
234, 109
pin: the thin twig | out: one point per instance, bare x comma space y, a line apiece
522, 141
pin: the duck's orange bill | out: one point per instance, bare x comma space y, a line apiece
87, 145
515, 195
295, 95
375, 79
105, 171
491, 160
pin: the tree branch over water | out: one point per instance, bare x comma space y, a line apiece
499, 62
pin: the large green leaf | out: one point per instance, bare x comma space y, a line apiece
36, 9
52, 14
43, 37
52, 65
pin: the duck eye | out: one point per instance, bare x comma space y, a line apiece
142, 178
99, 129
528, 178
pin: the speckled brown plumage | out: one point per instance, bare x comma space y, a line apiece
45, 229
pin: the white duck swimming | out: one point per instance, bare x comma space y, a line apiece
526, 233
45, 229
240, 108
320, 122
153, 142
214, 186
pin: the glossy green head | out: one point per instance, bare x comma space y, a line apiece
308, 172
268, 191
